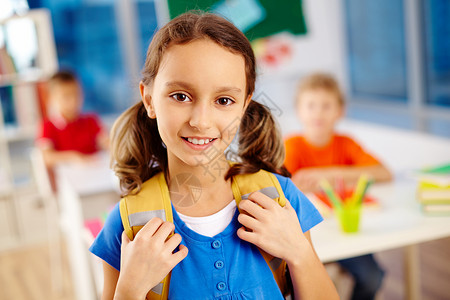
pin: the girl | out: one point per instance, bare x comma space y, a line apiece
196, 90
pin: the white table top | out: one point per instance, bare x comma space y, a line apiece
94, 177
396, 223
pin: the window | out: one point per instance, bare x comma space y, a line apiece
376, 49
398, 58
436, 19
90, 40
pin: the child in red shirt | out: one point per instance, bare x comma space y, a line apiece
67, 135
322, 153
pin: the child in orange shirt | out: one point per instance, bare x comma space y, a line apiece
319, 152
322, 153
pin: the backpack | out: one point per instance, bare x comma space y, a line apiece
136, 210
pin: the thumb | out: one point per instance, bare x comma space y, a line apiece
125, 239
288, 205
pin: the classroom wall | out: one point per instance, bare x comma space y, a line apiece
321, 48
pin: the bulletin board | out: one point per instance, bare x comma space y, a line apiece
256, 18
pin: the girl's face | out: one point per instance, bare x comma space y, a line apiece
198, 98
318, 110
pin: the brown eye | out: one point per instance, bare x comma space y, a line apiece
180, 97
225, 101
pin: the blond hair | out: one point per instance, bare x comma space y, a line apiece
138, 152
320, 81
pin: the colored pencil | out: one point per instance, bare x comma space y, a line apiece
361, 200
340, 186
326, 187
359, 190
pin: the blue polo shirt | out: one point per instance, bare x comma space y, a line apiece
219, 267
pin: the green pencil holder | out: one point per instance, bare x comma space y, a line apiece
349, 218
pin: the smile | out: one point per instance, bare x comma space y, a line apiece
197, 141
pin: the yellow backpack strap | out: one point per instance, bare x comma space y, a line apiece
136, 210
266, 183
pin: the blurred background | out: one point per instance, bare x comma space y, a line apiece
392, 57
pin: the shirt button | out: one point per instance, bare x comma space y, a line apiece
218, 264
216, 244
221, 286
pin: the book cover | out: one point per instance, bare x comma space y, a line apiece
434, 176
440, 169
434, 184
433, 193
436, 209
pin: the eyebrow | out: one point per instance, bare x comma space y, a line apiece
186, 85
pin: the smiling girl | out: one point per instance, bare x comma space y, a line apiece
197, 88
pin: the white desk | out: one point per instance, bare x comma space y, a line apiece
398, 222
75, 184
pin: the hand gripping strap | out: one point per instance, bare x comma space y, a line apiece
136, 210
266, 183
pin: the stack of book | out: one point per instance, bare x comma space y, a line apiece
433, 190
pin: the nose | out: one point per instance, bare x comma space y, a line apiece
201, 115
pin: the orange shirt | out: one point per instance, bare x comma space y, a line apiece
342, 150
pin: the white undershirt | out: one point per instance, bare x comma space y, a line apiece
213, 224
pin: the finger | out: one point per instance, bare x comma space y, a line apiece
288, 205
125, 239
248, 221
164, 231
150, 228
180, 255
293, 212
246, 235
252, 208
173, 242
263, 200
125, 242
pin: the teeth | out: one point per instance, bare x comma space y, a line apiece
199, 141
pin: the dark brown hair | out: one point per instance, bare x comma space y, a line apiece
320, 81
62, 77
137, 149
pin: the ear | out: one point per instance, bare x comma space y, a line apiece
147, 100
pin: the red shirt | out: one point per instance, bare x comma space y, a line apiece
341, 150
79, 135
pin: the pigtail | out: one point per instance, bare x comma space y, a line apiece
137, 150
260, 143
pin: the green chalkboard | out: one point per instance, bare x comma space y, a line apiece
281, 15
